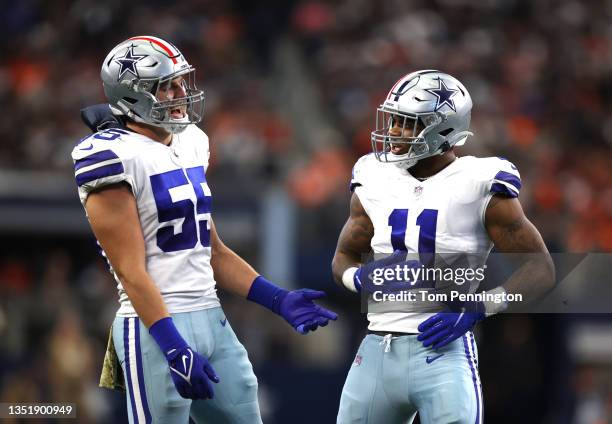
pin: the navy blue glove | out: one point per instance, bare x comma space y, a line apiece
296, 307
444, 327
299, 310
374, 276
191, 373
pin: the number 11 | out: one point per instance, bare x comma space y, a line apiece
427, 221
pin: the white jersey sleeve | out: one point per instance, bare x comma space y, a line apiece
507, 180
102, 159
357, 175
363, 171
368, 180
496, 176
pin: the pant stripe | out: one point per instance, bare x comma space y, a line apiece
473, 343
475, 379
133, 370
126, 349
476, 372
141, 382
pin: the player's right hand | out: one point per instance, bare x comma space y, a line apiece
191, 373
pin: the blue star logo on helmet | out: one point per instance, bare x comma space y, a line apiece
128, 62
444, 95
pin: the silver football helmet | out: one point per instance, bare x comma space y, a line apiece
433, 106
137, 73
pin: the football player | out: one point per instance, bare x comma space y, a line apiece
414, 196
142, 181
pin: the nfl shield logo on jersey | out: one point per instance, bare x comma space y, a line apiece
418, 190
357, 361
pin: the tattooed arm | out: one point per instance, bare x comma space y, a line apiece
354, 240
512, 232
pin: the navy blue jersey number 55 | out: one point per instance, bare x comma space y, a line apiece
167, 210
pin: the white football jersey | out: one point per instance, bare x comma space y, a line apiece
443, 214
174, 207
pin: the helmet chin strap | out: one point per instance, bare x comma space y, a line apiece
122, 110
444, 147
406, 164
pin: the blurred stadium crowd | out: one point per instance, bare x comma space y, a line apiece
291, 92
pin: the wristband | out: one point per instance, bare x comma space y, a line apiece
166, 335
348, 279
266, 294
492, 308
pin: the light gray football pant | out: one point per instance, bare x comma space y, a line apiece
151, 395
393, 378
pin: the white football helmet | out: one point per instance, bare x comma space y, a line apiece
137, 70
435, 106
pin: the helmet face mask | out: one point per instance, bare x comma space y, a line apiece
410, 145
137, 75
191, 105
425, 114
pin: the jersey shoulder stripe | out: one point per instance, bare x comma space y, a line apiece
95, 158
494, 174
504, 189
506, 183
509, 178
104, 158
100, 172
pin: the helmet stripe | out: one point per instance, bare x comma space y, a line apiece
398, 93
395, 85
160, 44
423, 72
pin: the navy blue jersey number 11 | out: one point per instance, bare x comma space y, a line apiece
167, 210
427, 221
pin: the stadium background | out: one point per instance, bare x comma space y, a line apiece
291, 90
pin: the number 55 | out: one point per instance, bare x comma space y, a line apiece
167, 210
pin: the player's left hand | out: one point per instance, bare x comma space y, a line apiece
299, 310
444, 327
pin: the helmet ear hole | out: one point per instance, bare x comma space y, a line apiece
446, 132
